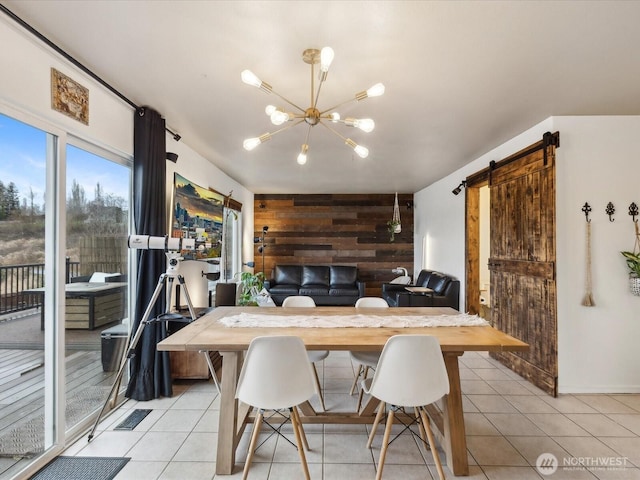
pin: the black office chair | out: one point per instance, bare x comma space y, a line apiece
225, 295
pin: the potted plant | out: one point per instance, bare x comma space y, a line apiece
250, 286
633, 262
393, 226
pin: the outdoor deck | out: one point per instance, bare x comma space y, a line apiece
22, 384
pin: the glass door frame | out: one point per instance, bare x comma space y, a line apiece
54, 275
55, 437
79, 429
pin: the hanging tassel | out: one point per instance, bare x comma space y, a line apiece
587, 301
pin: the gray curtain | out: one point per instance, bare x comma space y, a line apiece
150, 370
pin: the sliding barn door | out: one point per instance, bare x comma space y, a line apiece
522, 259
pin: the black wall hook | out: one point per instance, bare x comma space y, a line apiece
586, 209
610, 210
633, 211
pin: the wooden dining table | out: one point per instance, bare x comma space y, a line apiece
209, 333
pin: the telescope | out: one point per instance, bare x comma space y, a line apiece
168, 244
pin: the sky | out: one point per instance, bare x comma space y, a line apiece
22, 161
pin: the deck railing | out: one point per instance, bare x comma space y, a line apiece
15, 279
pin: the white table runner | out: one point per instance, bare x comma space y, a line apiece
252, 320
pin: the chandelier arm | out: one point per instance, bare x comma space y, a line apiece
333, 120
338, 105
271, 134
332, 130
323, 77
288, 101
306, 140
361, 151
315, 104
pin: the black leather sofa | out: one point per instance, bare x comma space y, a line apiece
326, 284
446, 292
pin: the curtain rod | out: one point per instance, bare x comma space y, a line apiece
75, 62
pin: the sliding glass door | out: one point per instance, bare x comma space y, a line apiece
96, 298
63, 218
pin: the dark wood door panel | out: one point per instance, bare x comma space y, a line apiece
523, 217
524, 267
522, 261
525, 308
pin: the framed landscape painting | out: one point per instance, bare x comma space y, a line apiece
197, 213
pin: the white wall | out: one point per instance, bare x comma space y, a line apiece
596, 163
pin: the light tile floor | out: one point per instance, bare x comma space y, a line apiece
509, 422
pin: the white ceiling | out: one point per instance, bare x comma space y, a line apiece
461, 77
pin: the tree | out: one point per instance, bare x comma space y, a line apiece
106, 214
32, 205
99, 200
77, 202
12, 202
3, 210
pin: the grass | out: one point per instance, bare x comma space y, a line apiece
22, 241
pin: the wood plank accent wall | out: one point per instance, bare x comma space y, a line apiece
335, 229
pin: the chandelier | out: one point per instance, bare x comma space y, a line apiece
312, 116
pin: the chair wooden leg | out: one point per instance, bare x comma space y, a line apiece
355, 380
252, 444
381, 408
296, 430
364, 377
360, 395
432, 442
385, 444
423, 436
294, 411
318, 387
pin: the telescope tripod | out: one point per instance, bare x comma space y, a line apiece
166, 279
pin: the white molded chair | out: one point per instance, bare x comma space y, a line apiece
313, 355
298, 301
371, 302
403, 280
365, 360
395, 383
275, 376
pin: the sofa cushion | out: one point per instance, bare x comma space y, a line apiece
314, 290
284, 289
315, 275
423, 278
438, 282
343, 290
287, 274
342, 275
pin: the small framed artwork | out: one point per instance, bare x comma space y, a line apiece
69, 97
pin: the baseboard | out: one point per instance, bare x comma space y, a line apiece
599, 389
